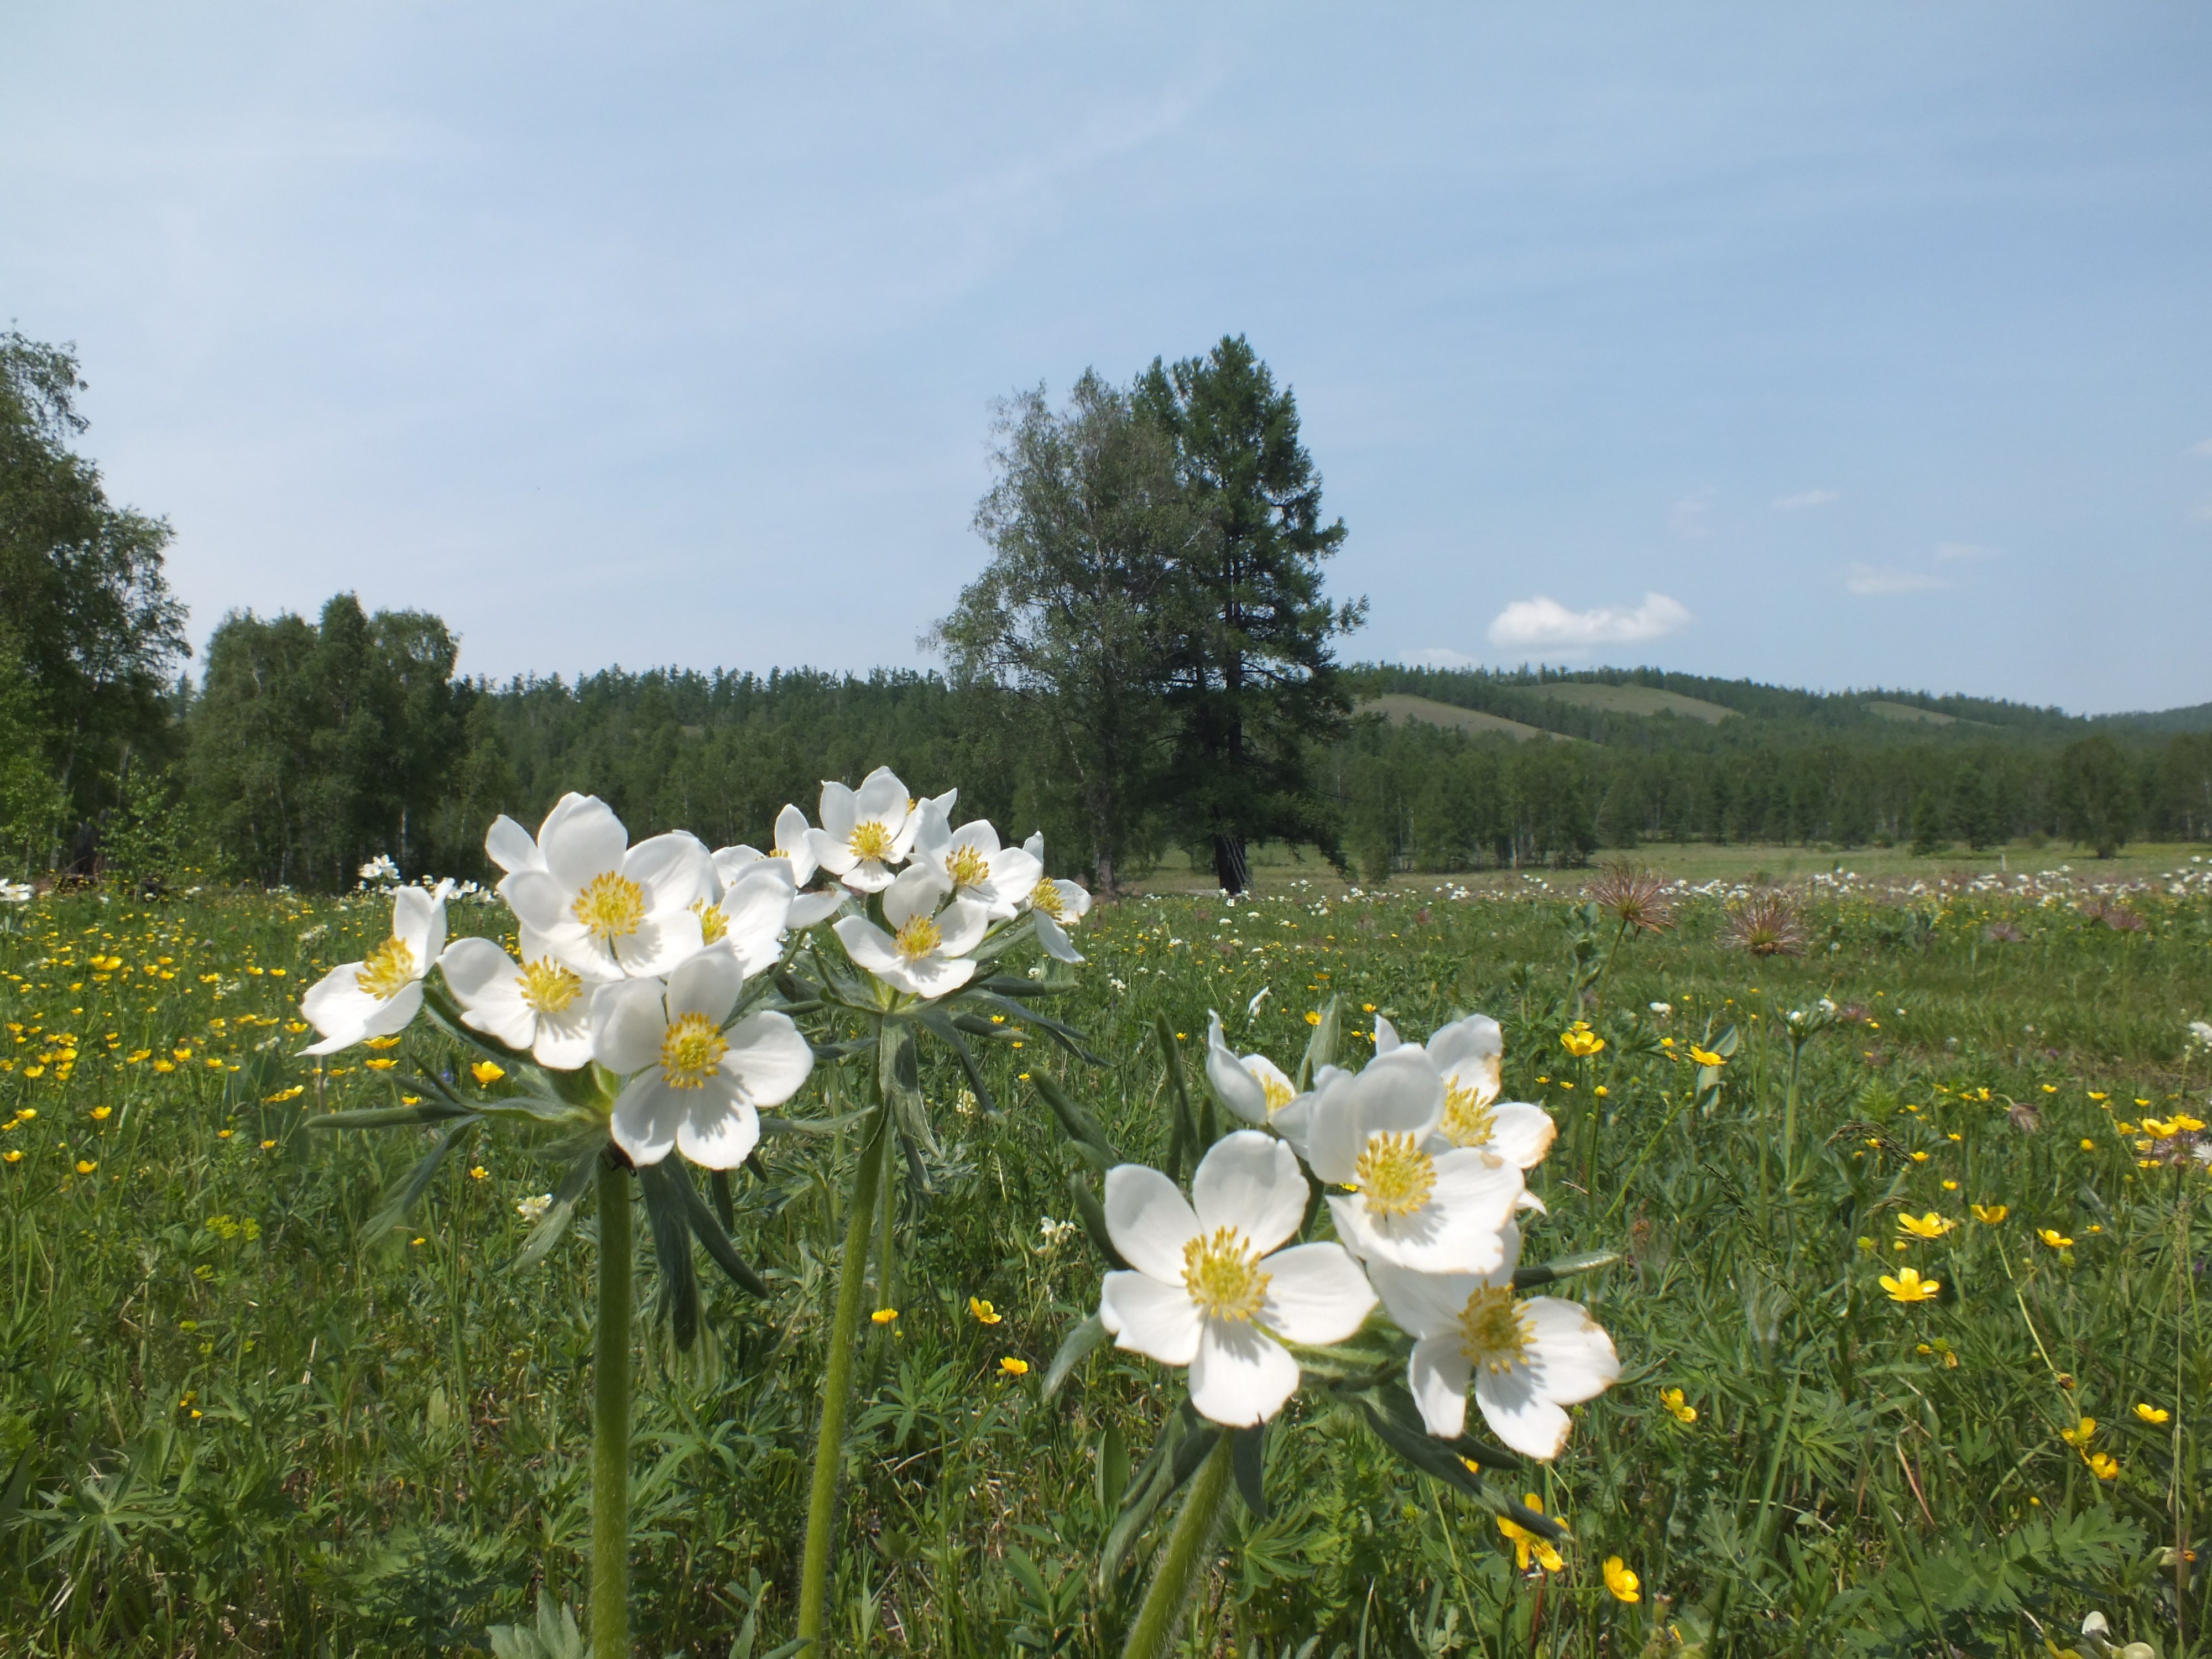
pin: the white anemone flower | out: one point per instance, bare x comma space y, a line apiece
1431, 1212
999, 879
379, 995
794, 847
1528, 1356
865, 831
1056, 905
1255, 1088
1203, 1290
693, 1085
750, 913
542, 1007
1470, 1053
608, 909
927, 954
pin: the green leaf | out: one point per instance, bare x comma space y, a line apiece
1075, 1347
1248, 1455
1182, 1138
1561, 1267
553, 1225
678, 1301
707, 1227
412, 1186
1092, 1214
389, 1117
1077, 1124
772, 1125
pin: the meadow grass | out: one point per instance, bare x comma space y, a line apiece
230, 1424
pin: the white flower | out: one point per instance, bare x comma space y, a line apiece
378, 997
865, 833
378, 870
999, 879
692, 1085
533, 1209
1434, 1212
608, 909
1056, 905
1255, 1088
1470, 1053
543, 1006
925, 957
1663, 1009
797, 852
1206, 1293
750, 913
16, 892
2200, 1033
1528, 1356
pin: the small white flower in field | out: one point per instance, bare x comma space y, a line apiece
1433, 1212
377, 996
694, 1086
1662, 1009
1255, 1088
796, 850
16, 892
533, 1209
606, 908
543, 1007
865, 831
978, 869
1052, 1232
1529, 1357
1470, 1053
927, 957
1057, 905
1203, 1290
378, 871
2200, 1034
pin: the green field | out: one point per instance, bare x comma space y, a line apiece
230, 1425
1633, 700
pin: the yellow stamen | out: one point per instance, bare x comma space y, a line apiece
967, 867
1467, 1121
548, 987
1395, 1174
389, 971
690, 1051
1278, 1093
1494, 1330
919, 938
871, 840
1047, 898
1222, 1275
610, 906
713, 924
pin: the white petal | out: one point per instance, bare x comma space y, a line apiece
868, 945
418, 922
841, 810
1436, 1376
1469, 1048
660, 943
588, 841
473, 966
1034, 845
511, 847
1315, 1295
864, 875
1518, 1413
1521, 1134
1476, 1183
1386, 1035
731, 862
1424, 1304
1149, 1318
1051, 935
1240, 1377
917, 892
564, 1041
961, 927
338, 1008
1250, 1181
829, 852
538, 900
932, 976
647, 1116
1433, 1239
882, 800
1148, 1220
1572, 1356
1232, 1082
674, 869
706, 983
767, 1058
1072, 899
790, 827
720, 1131
627, 1025
809, 908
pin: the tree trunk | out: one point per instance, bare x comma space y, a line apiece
1229, 866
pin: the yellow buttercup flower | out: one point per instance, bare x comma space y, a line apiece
1930, 1225
1580, 1042
85, 1166
1706, 1056
883, 1316
13, 1155
1527, 1544
1624, 1585
1909, 1286
1672, 1400
984, 1312
1990, 1213
2103, 1466
2157, 1416
2053, 1237
1011, 1366
2080, 1434
486, 1072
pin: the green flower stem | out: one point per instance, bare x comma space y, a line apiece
1178, 1574
610, 1422
837, 1380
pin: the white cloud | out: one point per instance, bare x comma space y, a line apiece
1540, 624
1880, 579
1439, 656
1805, 498
1690, 518
2204, 448
1953, 552
2201, 513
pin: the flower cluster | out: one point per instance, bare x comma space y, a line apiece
652, 961
1424, 1167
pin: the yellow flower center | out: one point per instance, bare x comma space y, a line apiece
1469, 1121
871, 840
713, 924
610, 906
1047, 898
919, 938
1493, 1328
1222, 1275
548, 987
690, 1051
389, 971
967, 867
1279, 1094
1395, 1174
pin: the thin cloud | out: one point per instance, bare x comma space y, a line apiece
2201, 513
1875, 580
2204, 448
1954, 552
1543, 623
1804, 499
1439, 656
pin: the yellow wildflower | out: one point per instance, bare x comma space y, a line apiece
2053, 1237
1990, 1214
1672, 1400
1011, 1366
1705, 1056
2080, 1434
1624, 1585
985, 1314
1909, 1286
1527, 1544
1930, 1225
2157, 1416
883, 1316
2103, 1466
486, 1072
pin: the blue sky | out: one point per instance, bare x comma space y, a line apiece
1869, 348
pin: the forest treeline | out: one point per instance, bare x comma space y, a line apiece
1146, 667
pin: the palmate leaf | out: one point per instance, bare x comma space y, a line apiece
403, 1196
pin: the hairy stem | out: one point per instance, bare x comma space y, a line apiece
837, 1380
1178, 1574
610, 1422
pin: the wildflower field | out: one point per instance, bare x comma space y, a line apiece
1904, 1291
